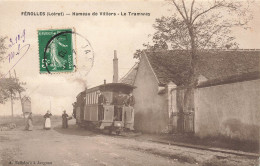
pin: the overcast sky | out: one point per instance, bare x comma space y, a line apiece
105, 33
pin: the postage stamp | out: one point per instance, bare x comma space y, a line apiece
55, 50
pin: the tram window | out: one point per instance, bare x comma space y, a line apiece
95, 95
96, 98
92, 95
91, 98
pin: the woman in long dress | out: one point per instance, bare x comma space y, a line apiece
29, 125
47, 122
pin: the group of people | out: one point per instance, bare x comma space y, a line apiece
118, 101
122, 99
47, 121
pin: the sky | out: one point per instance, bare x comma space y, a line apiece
105, 34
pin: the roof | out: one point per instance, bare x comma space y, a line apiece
111, 86
129, 78
230, 79
118, 85
83, 93
26, 98
213, 64
172, 65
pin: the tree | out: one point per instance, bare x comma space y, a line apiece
199, 25
8, 86
2, 48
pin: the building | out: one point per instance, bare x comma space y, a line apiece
225, 101
26, 105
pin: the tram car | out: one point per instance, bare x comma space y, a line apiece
105, 107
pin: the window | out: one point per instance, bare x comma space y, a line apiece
91, 98
88, 101
96, 98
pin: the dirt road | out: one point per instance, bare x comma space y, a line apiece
79, 147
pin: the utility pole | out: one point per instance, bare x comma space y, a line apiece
11, 91
50, 104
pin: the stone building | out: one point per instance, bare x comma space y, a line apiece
225, 100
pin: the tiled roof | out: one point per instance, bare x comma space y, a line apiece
129, 78
213, 64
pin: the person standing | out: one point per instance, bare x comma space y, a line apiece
65, 119
101, 102
119, 101
29, 125
131, 100
47, 122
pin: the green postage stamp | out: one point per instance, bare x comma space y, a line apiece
55, 50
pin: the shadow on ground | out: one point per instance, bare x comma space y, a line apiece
74, 130
215, 142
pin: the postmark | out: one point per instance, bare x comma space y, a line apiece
85, 55
55, 50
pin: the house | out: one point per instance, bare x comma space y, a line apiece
226, 100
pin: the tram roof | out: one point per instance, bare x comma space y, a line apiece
111, 86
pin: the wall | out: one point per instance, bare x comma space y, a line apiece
230, 110
151, 114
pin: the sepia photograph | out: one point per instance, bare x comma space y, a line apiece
130, 83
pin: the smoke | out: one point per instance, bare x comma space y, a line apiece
82, 82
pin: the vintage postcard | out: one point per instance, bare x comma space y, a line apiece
142, 82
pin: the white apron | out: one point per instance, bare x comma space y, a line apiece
47, 123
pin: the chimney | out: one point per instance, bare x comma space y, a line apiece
115, 68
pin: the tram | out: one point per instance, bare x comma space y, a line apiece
113, 113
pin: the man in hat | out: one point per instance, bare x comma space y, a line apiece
101, 102
65, 119
130, 100
119, 101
